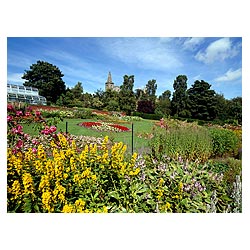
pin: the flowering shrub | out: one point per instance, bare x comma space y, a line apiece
67, 181
104, 179
104, 126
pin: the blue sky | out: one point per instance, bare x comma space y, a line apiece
217, 61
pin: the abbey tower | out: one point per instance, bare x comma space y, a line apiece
110, 85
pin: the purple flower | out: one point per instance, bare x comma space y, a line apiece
143, 177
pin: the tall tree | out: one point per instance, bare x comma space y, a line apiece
235, 109
127, 99
47, 78
163, 106
151, 88
221, 107
77, 90
202, 101
180, 98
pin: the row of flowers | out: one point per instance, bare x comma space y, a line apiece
57, 173
103, 179
104, 126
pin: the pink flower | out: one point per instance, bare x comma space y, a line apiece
162, 123
34, 141
18, 130
52, 129
9, 118
19, 144
10, 108
27, 114
34, 150
18, 113
38, 113
29, 108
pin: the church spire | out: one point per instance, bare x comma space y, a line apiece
109, 84
109, 78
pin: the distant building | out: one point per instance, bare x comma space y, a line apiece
20, 93
110, 85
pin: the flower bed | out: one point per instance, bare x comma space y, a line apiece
104, 126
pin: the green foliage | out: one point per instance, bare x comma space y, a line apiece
186, 142
163, 106
127, 99
225, 141
202, 101
47, 78
150, 90
148, 116
235, 109
180, 97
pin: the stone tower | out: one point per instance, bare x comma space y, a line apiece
109, 84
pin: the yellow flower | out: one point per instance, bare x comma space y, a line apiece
161, 181
134, 172
93, 177
180, 187
168, 205
59, 192
28, 183
41, 153
160, 193
79, 205
44, 183
63, 141
46, 200
68, 208
105, 209
15, 190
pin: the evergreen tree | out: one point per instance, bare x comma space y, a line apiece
163, 106
180, 98
151, 88
77, 91
127, 99
235, 109
202, 101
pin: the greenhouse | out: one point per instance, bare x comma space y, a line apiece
20, 93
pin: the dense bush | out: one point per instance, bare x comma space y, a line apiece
225, 142
148, 116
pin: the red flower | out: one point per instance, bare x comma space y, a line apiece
90, 124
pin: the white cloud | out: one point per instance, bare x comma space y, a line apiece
146, 53
230, 76
192, 43
15, 78
217, 51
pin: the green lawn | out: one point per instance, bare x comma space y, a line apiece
140, 127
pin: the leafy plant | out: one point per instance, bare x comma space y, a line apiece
225, 141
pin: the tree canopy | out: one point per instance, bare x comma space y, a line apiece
202, 101
180, 97
127, 99
47, 78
